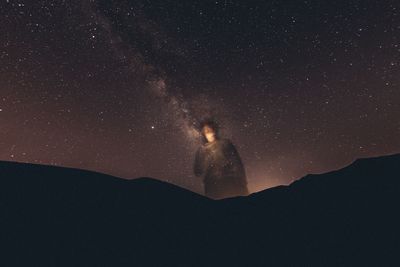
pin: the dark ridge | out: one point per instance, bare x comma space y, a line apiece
56, 216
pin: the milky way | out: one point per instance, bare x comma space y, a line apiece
118, 86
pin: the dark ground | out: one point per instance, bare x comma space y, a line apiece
52, 216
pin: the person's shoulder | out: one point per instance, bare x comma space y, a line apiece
201, 148
226, 141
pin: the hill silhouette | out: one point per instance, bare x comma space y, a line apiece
55, 216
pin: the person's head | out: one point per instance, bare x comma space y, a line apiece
209, 130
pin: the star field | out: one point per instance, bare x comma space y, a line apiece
118, 86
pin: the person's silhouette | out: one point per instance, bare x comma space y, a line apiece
219, 164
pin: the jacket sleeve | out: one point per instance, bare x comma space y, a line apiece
198, 166
235, 160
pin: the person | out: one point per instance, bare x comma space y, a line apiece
219, 164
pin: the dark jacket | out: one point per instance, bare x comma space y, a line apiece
221, 168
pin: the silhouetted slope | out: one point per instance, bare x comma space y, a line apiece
54, 216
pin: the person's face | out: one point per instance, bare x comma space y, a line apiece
209, 133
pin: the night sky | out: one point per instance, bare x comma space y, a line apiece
118, 86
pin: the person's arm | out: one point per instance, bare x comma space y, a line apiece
237, 168
235, 160
198, 168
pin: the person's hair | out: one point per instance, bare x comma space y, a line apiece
212, 123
